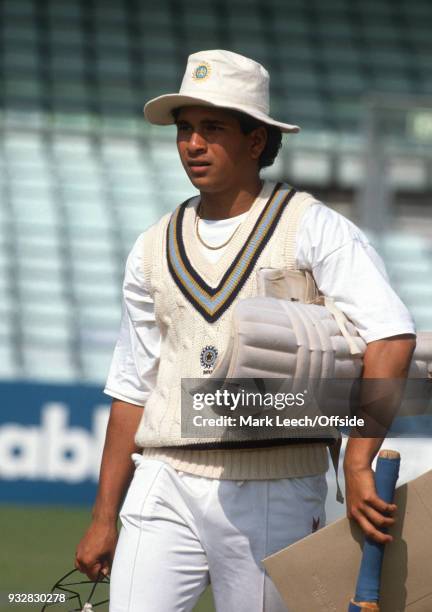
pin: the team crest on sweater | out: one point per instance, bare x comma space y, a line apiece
208, 358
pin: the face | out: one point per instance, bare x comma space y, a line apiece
215, 154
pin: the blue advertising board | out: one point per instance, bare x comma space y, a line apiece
51, 441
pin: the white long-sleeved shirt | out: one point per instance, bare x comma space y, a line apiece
344, 264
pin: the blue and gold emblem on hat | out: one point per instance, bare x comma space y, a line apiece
201, 72
207, 358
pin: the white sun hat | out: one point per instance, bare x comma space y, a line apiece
221, 79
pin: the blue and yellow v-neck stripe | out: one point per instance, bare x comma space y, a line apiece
212, 302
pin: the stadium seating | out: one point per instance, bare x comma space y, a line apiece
81, 175
109, 56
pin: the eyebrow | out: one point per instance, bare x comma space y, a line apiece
216, 122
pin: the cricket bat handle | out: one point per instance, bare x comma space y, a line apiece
368, 583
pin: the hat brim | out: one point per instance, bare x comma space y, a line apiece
159, 110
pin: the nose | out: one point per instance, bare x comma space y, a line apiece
196, 143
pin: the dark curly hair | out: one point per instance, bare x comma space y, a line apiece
274, 136
247, 125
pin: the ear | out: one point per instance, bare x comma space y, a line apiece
258, 140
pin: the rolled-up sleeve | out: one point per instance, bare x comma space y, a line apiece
132, 375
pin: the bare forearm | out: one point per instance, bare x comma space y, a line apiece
117, 467
384, 359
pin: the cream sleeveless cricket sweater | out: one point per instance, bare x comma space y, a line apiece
193, 304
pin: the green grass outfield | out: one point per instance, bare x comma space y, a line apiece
37, 547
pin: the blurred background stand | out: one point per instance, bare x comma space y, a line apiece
82, 175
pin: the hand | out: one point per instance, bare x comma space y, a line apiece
364, 505
95, 552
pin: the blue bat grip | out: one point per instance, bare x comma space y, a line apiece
368, 583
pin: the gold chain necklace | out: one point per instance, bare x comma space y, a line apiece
209, 246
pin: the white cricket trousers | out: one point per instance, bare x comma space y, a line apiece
181, 531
